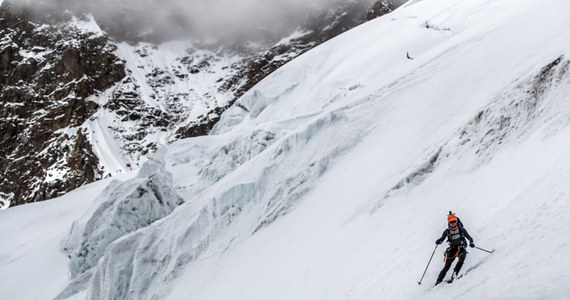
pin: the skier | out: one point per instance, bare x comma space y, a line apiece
455, 234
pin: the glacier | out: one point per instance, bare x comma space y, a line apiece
332, 177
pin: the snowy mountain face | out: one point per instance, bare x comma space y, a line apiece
332, 177
86, 97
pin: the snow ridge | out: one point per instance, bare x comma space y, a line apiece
511, 116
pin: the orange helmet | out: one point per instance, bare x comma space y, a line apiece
451, 217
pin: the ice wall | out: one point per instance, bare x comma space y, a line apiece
266, 178
123, 208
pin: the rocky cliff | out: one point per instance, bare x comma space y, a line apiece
50, 72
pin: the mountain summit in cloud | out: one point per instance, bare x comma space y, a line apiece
162, 20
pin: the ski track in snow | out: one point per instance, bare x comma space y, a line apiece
331, 179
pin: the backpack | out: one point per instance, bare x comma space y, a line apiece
459, 226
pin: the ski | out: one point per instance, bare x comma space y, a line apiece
456, 278
450, 280
464, 273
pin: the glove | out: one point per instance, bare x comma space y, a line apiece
438, 241
472, 245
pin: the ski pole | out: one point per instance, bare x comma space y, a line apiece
485, 250
420, 282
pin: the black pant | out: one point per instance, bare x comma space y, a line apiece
451, 253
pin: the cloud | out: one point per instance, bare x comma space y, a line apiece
203, 17
129, 19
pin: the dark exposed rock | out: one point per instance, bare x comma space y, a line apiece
381, 8
48, 69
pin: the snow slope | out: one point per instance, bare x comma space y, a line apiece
332, 178
32, 264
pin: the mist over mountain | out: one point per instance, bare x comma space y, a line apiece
162, 20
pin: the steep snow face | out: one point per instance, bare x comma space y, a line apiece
332, 178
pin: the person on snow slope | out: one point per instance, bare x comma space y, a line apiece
455, 235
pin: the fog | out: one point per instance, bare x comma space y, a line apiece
130, 19
202, 17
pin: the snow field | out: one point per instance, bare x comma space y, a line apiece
333, 177
31, 261
331, 248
